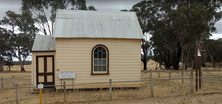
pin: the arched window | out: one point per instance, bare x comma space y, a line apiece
100, 60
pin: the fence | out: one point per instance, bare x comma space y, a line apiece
153, 84
10, 82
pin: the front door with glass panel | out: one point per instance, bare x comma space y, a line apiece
45, 70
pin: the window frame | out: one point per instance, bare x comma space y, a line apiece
107, 61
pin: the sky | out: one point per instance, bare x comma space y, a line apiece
100, 5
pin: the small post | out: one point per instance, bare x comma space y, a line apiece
40, 87
16, 93
40, 95
73, 84
158, 73
169, 75
13, 80
201, 80
61, 83
196, 66
2, 82
64, 88
199, 60
191, 83
182, 77
110, 88
151, 84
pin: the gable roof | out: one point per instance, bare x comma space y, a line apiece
44, 43
96, 24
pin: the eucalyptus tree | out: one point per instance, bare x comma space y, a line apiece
147, 15
22, 32
44, 11
5, 54
213, 49
181, 24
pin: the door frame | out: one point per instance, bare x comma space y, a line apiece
45, 68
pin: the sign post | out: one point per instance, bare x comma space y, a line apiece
40, 87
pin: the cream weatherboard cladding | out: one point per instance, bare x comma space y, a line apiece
74, 55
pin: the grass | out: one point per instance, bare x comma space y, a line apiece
165, 91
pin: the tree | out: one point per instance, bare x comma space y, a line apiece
179, 24
40, 9
146, 48
213, 49
91, 8
22, 32
5, 53
147, 15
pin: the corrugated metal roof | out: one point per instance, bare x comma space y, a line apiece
44, 43
96, 24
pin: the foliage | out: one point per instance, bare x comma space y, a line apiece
177, 26
213, 49
5, 54
41, 8
22, 32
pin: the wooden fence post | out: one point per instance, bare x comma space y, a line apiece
13, 80
151, 84
191, 83
64, 88
73, 84
169, 75
201, 79
2, 82
17, 94
110, 88
182, 76
158, 73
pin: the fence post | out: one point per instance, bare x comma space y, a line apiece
16, 93
151, 84
201, 79
13, 80
2, 82
73, 84
64, 88
110, 88
169, 75
158, 73
182, 76
191, 83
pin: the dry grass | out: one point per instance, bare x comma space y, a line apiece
165, 91
16, 68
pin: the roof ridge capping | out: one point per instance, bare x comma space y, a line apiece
96, 24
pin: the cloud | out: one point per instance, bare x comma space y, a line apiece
216, 36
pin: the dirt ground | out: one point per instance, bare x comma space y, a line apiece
192, 99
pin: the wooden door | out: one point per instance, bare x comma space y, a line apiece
45, 70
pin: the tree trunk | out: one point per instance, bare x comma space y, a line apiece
177, 57
1, 66
21, 65
20, 61
144, 64
214, 64
160, 66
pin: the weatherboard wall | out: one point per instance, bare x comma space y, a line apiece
74, 55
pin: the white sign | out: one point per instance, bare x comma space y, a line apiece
199, 53
40, 86
67, 75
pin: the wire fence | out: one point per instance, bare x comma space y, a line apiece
152, 84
